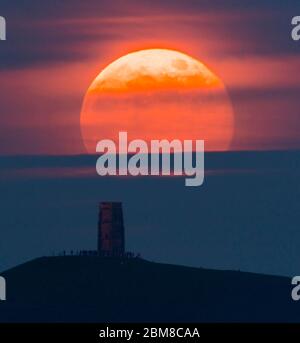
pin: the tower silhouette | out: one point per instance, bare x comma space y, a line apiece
111, 236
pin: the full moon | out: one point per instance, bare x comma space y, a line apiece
157, 94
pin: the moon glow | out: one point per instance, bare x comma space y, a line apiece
157, 94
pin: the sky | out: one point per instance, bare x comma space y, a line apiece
246, 214
54, 50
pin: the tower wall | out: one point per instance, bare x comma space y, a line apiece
111, 238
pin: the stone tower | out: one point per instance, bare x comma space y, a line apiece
111, 238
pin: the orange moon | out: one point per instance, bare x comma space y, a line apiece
157, 94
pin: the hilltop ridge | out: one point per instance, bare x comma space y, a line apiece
95, 289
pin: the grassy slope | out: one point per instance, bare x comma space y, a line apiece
94, 289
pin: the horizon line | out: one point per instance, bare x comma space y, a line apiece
260, 151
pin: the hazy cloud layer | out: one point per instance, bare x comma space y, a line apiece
54, 49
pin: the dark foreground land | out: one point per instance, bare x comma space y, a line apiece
94, 289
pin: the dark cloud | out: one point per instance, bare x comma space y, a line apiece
36, 44
49, 31
55, 9
200, 5
43, 32
103, 8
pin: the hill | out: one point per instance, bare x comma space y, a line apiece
94, 289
